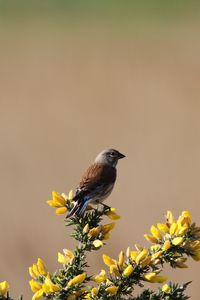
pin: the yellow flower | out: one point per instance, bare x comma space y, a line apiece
4, 287
158, 279
146, 261
128, 271
163, 227
156, 255
141, 256
61, 210
156, 233
114, 269
37, 269
128, 252
182, 229
185, 217
101, 277
149, 276
173, 228
177, 241
170, 217
35, 286
94, 231
108, 261
112, 289
48, 286
97, 243
112, 214
121, 259
134, 255
94, 291
108, 227
41, 267
166, 288
70, 195
151, 238
86, 228
57, 201
65, 258
166, 245
38, 295
77, 279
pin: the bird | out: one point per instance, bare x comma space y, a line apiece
97, 182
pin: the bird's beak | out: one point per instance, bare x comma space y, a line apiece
120, 155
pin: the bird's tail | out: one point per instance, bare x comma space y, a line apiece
79, 209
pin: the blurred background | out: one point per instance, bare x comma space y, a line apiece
80, 76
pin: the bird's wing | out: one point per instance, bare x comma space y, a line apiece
96, 176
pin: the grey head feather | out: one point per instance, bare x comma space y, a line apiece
109, 157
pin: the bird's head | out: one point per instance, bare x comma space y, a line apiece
109, 157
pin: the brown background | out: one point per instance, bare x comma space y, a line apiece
70, 90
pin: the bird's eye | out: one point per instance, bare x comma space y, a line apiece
112, 153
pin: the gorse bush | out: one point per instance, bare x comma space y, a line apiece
172, 242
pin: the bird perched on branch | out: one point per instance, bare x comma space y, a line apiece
97, 182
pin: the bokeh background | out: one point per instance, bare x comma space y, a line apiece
80, 76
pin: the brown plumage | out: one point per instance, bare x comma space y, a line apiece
97, 182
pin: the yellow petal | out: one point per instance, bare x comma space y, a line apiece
94, 291
121, 259
128, 271
69, 254
166, 288
141, 255
86, 228
61, 210
38, 295
108, 261
101, 277
57, 197
177, 241
94, 231
114, 269
156, 255
166, 245
159, 279
4, 287
134, 255
173, 228
108, 227
70, 195
32, 274
35, 270
35, 286
41, 267
128, 252
182, 230
112, 214
62, 259
150, 238
97, 243
170, 217
112, 289
163, 227
149, 276
78, 279
156, 233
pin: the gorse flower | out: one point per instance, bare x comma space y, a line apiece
4, 287
171, 242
